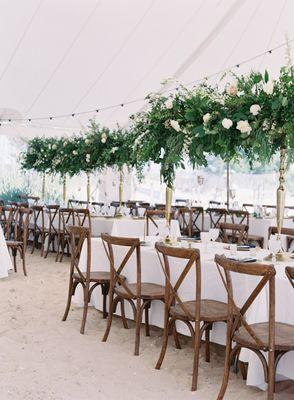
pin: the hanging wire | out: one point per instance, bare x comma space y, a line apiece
270, 51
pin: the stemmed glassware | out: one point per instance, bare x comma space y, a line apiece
200, 181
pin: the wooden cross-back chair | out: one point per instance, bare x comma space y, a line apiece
26, 198
97, 205
83, 217
18, 244
272, 337
37, 228
185, 220
288, 232
51, 227
7, 217
67, 216
132, 206
217, 216
233, 233
152, 216
201, 313
242, 217
290, 274
248, 207
89, 280
139, 294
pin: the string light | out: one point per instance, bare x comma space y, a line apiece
143, 99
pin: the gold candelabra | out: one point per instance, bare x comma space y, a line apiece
120, 194
88, 187
168, 206
64, 189
43, 186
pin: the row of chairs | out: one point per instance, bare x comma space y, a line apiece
198, 314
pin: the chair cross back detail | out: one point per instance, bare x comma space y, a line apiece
290, 275
267, 276
115, 271
238, 232
216, 216
171, 294
239, 216
52, 214
77, 236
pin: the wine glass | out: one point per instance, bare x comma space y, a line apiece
200, 181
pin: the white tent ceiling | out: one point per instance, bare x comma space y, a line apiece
63, 57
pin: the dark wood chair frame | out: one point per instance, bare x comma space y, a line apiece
237, 322
51, 233
233, 233
289, 232
203, 319
67, 216
242, 217
216, 216
152, 215
37, 228
89, 280
20, 237
138, 301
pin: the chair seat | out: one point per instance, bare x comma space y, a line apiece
98, 276
255, 237
149, 291
210, 310
13, 243
284, 336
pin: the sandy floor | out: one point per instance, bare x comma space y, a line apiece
44, 358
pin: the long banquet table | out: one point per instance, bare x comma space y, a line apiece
212, 287
5, 260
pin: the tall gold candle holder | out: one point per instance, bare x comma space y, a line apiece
64, 189
43, 186
88, 187
168, 206
120, 195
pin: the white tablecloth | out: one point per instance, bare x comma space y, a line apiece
5, 260
212, 287
257, 226
130, 227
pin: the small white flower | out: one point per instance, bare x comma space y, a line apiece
206, 117
241, 93
175, 125
88, 157
254, 89
268, 87
74, 152
114, 149
168, 104
244, 126
162, 152
266, 125
103, 137
54, 147
87, 141
232, 90
254, 109
227, 123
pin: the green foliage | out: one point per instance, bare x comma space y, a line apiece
11, 193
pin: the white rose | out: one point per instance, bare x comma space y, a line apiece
227, 123
103, 137
87, 141
244, 126
175, 125
206, 117
266, 125
168, 104
254, 109
268, 87
232, 90
88, 157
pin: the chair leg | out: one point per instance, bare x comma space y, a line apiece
48, 247
176, 336
70, 293
271, 375
86, 305
164, 342
147, 327
58, 247
138, 326
21, 250
207, 343
123, 314
104, 290
34, 243
109, 318
196, 356
228, 359
14, 253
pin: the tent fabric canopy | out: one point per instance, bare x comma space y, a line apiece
62, 57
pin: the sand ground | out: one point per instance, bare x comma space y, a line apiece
44, 358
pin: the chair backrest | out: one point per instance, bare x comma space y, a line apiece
185, 220
132, 245
216, 216
24, 197
248, 207
233, 233
237, 316
132, 206
83, 218
290, 274
239, 216
173, 282
77, 237
7, 218
21, 225
38, 218
67, 216
152, 215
